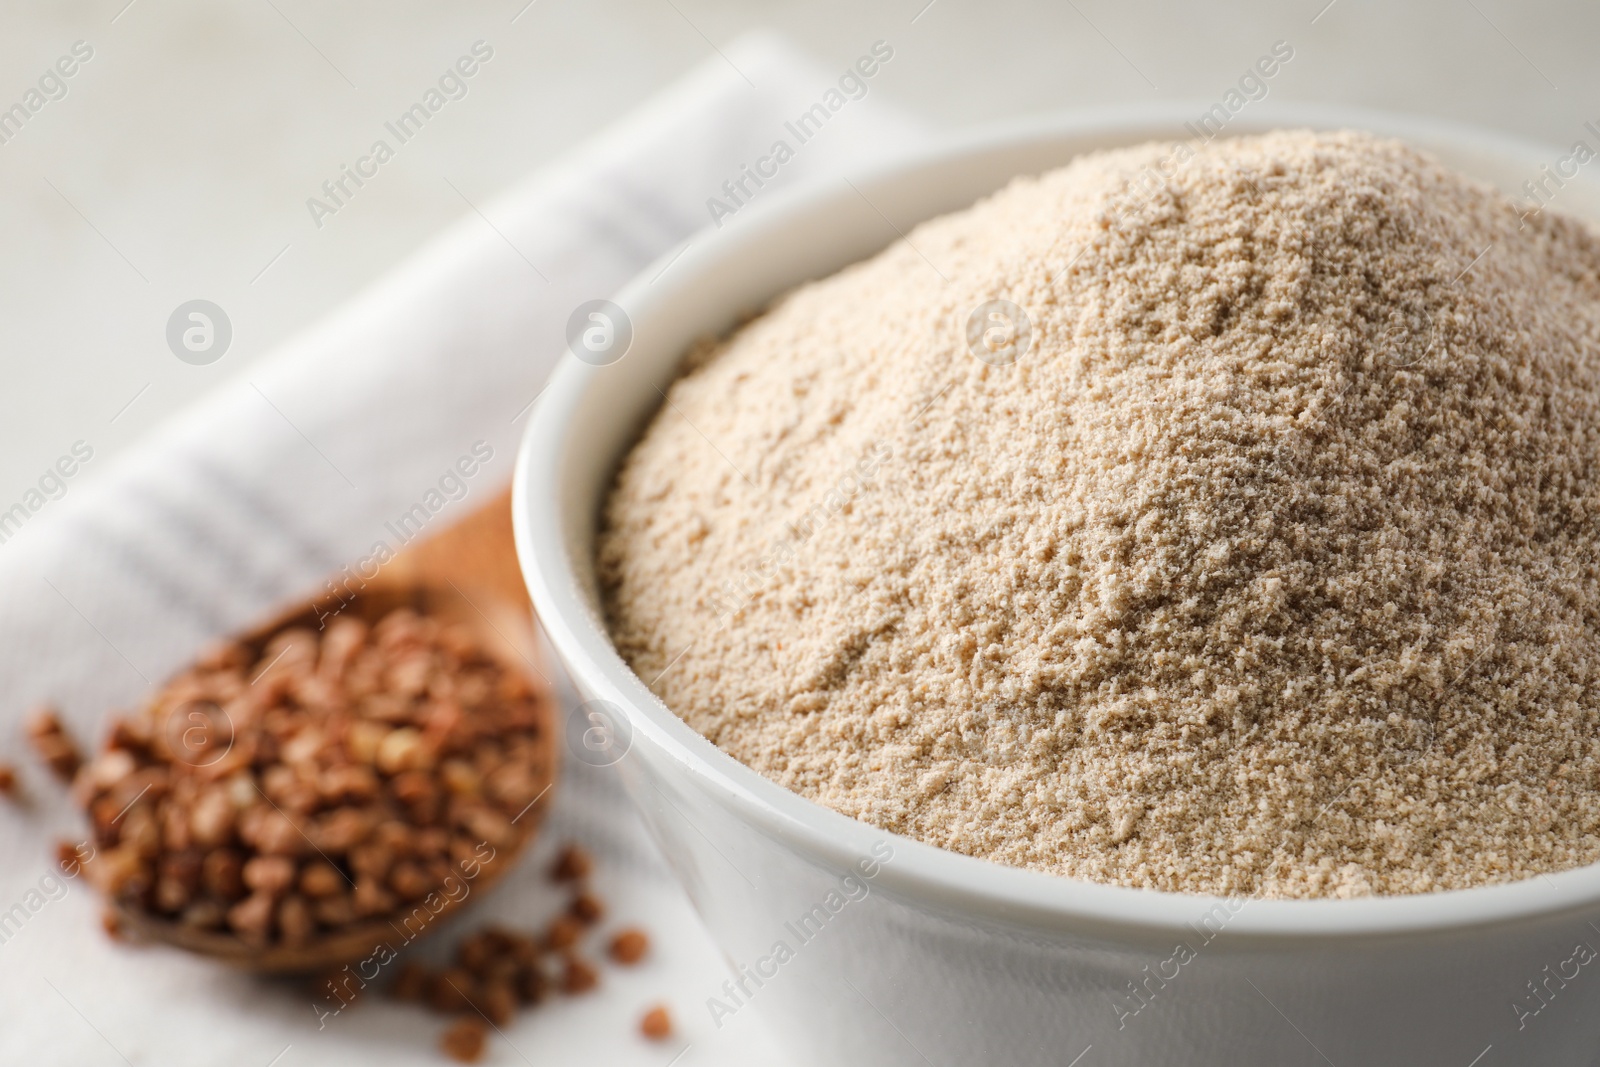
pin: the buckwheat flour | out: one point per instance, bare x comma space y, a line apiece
1268, 569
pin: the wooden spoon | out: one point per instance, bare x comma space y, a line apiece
467, 574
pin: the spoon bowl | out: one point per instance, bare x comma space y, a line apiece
466, 575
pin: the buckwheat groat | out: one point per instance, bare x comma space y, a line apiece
1268, 569
295, 791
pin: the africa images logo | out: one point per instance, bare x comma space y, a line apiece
599, 332
199, 332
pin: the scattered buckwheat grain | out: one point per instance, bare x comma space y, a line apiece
629, 946
464, 1041
656, 1023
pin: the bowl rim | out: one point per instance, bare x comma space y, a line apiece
934, 878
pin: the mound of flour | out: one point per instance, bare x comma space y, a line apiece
1268, 569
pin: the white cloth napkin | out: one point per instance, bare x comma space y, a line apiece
249, 500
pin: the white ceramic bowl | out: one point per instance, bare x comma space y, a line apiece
913, 955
